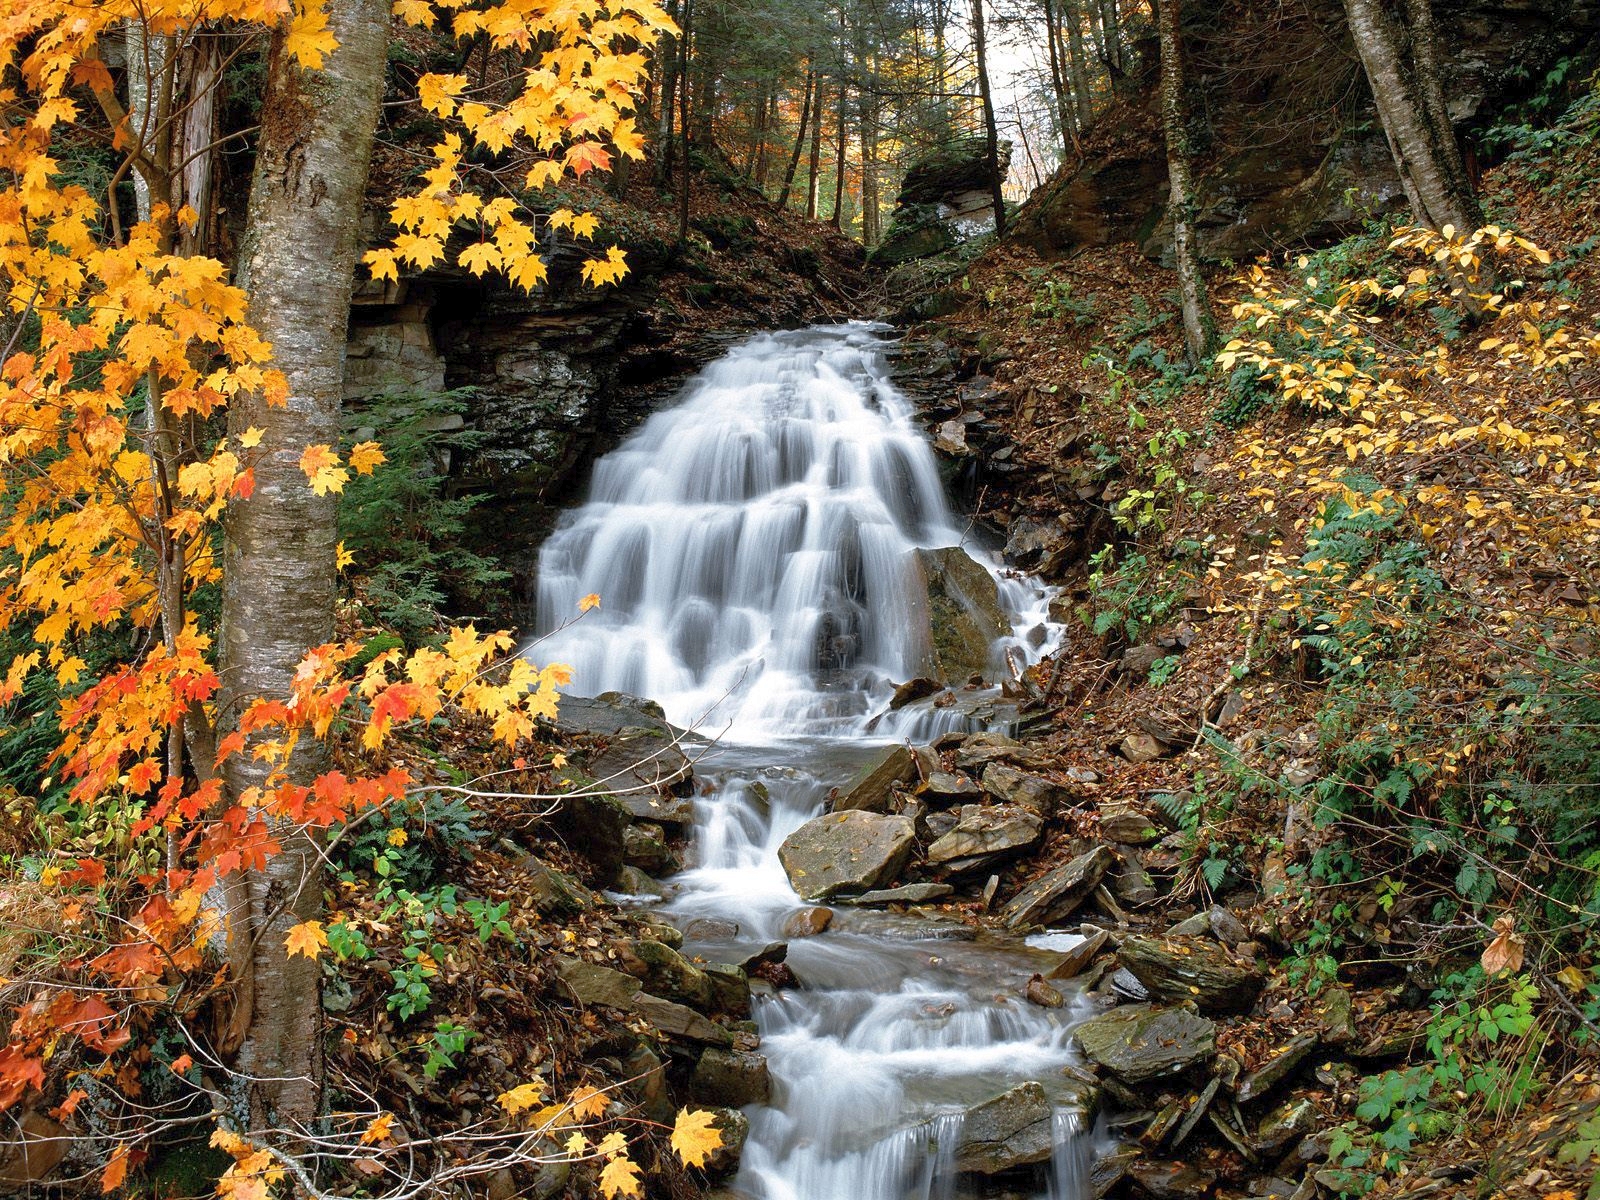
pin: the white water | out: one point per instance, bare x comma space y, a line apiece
753, 548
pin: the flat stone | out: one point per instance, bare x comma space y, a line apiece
675, 1020
1073, 962
1277, 1068
1058, 893
1286, 1123
1129, 824
664, 972
945, 787
1172, 1180
1010, 1130
631, 881
1139, 748
1196, 969
1011, 786
984, 834
873, 785
913, 690
910, 893
1140, 1042
846, 852
591, 984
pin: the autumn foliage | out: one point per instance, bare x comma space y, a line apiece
121, 356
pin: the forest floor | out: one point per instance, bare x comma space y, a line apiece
1359, 801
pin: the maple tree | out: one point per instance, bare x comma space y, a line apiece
123, 498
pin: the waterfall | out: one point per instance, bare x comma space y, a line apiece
755, 552
752, 547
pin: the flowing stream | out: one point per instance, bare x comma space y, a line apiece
755, 551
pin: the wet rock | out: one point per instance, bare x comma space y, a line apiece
1287, 1123
1129, 824
30, 1148
631, 881
1041, 993
554, 893
1226, 927
735, 1129
1194, 969
593, 985
913, 690
663, 809
1335, 1011
1041, 546
980, 749
911, 893
676, 1020
1136, 661
1056, 894
1131, 883
944, 787
1080, 956
846, 852
1141, 1042
1111, 1168
961, 613
639, 760
645, 846
646, 1085
1277, 1068
808, 922
1172, 1180
1013, 1129
664, 972
711, 929
1011, 786
984, 835
730, 989
873, 784
772, 952
1125, 986
1198, 925
596, 826
730, 1078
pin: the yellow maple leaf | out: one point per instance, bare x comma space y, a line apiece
588, 1103
309, 36
342, 558
584, 225
522, 1097
379, 1130
597, 272
592, 600
307, 938
364, 456
322, 469
694, 1136
250, 438
414, 12
620, 1178
480, 257
576, 1144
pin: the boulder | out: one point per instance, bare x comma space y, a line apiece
730, 989
946, 198
596, 826
945, 787
644, 845
1192, 968
1057, 894
730, 1078
1288, 1122
1011, 786
1041, 993
913, 690
846, 852
961, 165
590, 984
959, 614
1073, 962
735, 1129
1172, 1180
1140, 1042
554, 893
1277, 1068
1039, 546
631, 881
1010, 1130
1128, 823
983, 835
665, 972
1130, 882
808, 922
873, 785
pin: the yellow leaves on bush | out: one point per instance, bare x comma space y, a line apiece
695, 1136
307, 938
598, 272
254, 1172
588, 1103
322, 469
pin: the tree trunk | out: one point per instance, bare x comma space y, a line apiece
1425, 57
838, 180
298, 263
869, 167
806, 99
197, 153
670, 72
1438, 196
1058, 79
1199, 329
685, 45
814, 179
1078, 58
991, 133
1111, 35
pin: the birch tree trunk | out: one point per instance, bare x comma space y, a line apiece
814, 167
297, 261
1438, 195
1199, 329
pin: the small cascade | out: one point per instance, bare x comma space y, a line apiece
755, 551
1073, 1157
753, 548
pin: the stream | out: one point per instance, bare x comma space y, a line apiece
755, 547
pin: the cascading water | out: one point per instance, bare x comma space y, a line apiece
754, 549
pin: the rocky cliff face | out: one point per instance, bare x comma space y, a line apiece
1290, 149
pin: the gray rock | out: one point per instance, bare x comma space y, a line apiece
664, 809
730, 1078
1058, 893
1226, 927
590, 984
711, 929
1131, 883
1010, 1130
944, 787
554, 893
1011, 786
645, 846
1141, 1042
984, 835
958, 614
1139, 748
1194, 969
633, 882
846, 852
980, 749
1335, 1010
1125, 985
913, 690
873, 784
1128, 823
1173, 1180
1137, 660
1073, 962
596, 826
910, 893
676, 1020
1277, 1068
1288, 1122
664, 972
730, 989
